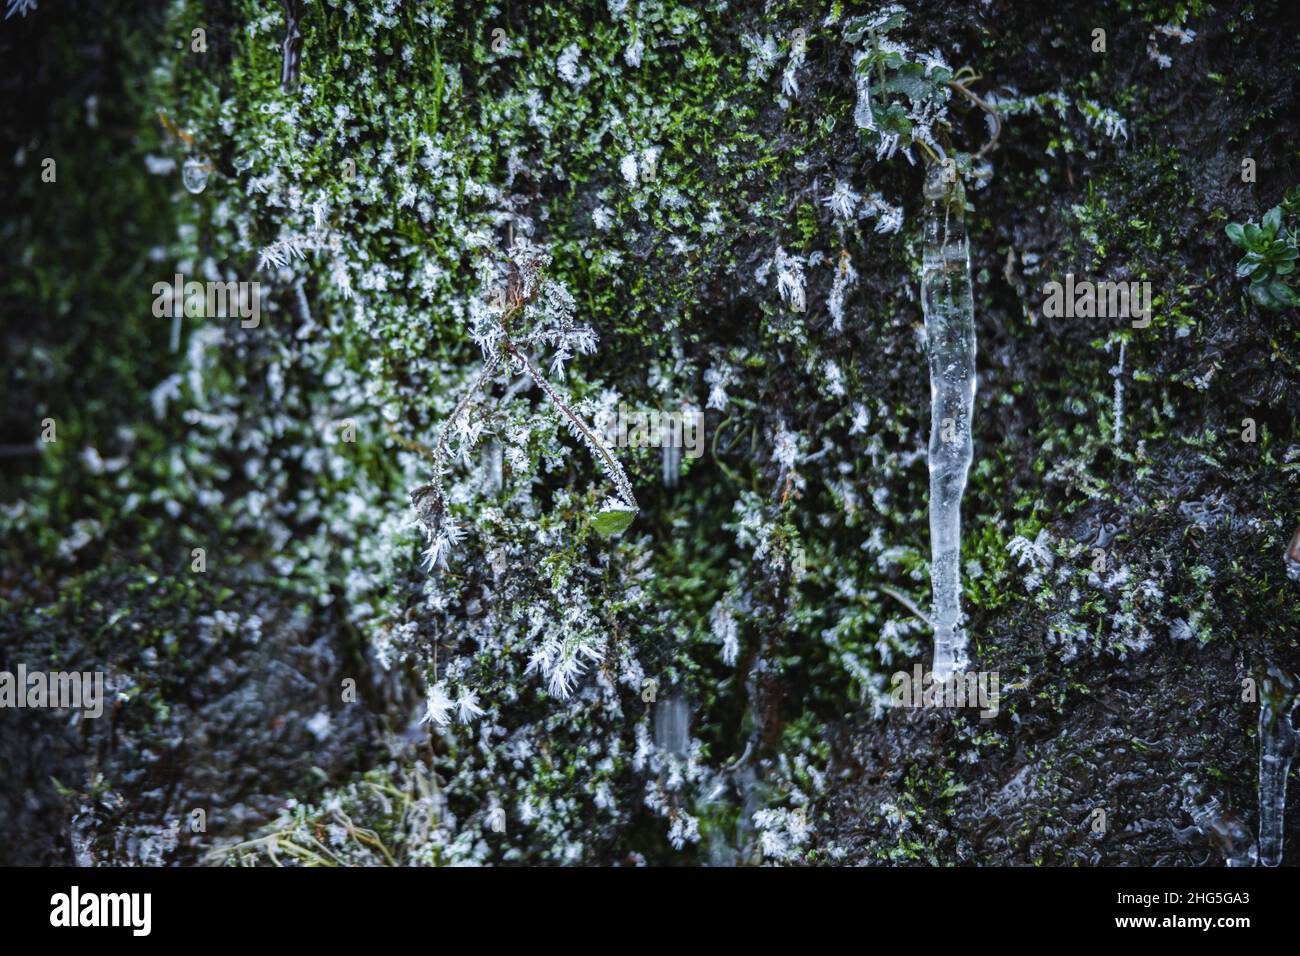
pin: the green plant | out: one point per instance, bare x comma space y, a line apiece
1291, 201
1270, 255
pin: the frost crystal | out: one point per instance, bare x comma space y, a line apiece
842, 201
724, 630
629, 169
790, 78
718, 379
846, 277
567, 67
789, 279
467, 708
437, 706
888, 218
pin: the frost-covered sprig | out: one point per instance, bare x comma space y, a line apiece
527, 311
798, 52
579, 429
430, 500
790, 279
843, 201
1111, 123
281, 252
888, 218
845, 278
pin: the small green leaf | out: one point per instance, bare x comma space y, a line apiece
1262, 297
1275, 295
613, 521
1234, 231
1273, 220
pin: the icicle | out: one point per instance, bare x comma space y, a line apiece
291, 48
672, 462
1291, 559
863, 117
1278, 702
1118, 407
672, 724
950, 331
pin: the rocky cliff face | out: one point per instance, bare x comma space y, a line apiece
480, 240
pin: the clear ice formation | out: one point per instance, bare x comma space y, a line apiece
950, 332
1291, 560
1220, 828
1278, 701
672, 463
194, 174
672, 725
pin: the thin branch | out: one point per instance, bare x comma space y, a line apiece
610, 463
997, 119
906, 601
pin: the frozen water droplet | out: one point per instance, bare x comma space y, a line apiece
1292, 557
243, 163
195, 173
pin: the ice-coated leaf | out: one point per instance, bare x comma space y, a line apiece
612, 521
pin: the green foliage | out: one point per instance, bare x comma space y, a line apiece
1270, 255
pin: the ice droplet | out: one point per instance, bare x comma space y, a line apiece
1292, 557
195, 173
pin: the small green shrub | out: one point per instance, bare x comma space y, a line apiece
1270, 255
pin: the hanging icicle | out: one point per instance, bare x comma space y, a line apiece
950, 333
671, 454
291, 48
1278, 702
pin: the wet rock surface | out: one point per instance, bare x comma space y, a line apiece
1121, 688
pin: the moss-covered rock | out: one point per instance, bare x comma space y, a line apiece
726, 198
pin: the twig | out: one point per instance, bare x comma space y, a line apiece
906, 601
997, 120
610, 463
